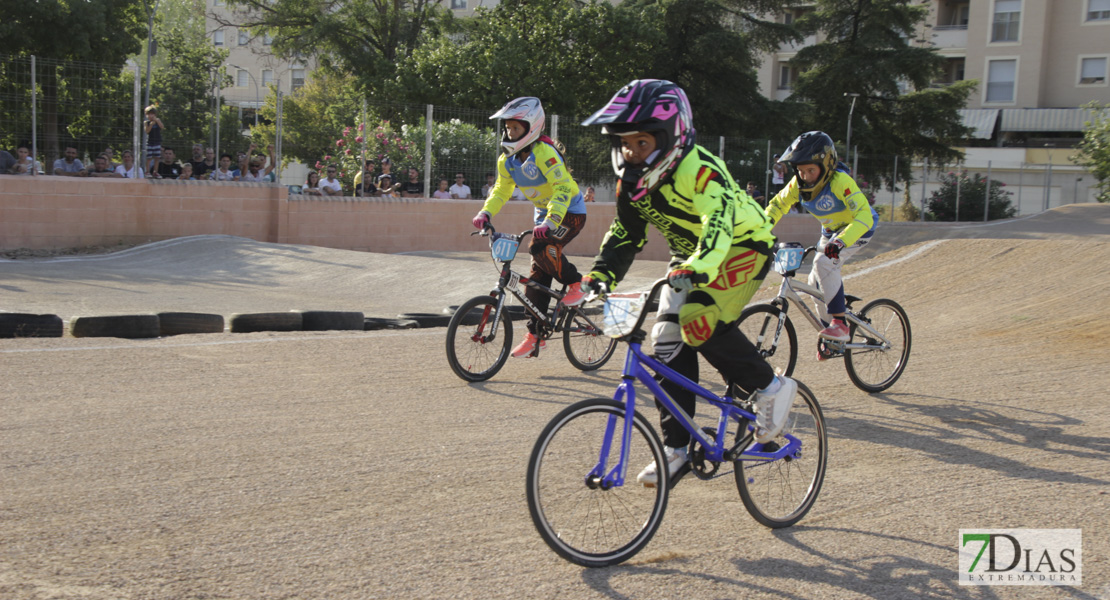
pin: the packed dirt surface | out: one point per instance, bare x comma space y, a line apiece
356, 465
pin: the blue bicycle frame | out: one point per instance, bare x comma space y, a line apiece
640, 366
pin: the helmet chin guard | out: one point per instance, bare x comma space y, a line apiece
652, 106
528, 111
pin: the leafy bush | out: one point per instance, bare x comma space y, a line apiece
972, 190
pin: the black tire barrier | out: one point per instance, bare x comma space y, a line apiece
254, 322
516, 312
376, 323
18, 325
331, 320
426, 319
179, 323
119, 326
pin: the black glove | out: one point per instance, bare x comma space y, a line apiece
833, 248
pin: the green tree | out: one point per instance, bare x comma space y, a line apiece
312, 116
84, 43
1094, 150
867, 51
960, 197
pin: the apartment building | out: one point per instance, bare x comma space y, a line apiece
1037, 61
251, 64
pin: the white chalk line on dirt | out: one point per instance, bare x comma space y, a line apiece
155, 345
921, 250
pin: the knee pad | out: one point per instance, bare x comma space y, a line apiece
666, 337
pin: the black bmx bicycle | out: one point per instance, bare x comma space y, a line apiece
480, 334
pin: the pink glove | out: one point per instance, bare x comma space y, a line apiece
481, 220
541, 231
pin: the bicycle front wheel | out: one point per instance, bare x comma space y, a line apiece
777, 345
779, 493
474, 353
877, 367
587, 347
579, 519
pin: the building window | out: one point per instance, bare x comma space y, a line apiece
1092, 70
267, 39
458, 4
218, 38
241, 79
1007, 20
786, 77
1001, 79
1098, 10
244, 37
267, 77
298, 78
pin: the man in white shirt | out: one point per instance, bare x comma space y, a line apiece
331, 185
24, 165
460, 190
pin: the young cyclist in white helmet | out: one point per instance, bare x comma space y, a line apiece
533, 163
828, 192
720, 244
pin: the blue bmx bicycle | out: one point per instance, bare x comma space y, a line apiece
583, 498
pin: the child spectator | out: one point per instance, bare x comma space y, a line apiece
442, 192
386, 187
24, 164
186, 171
153, 127
224, 172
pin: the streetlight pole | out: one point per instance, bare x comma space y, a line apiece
851, 109
257, 97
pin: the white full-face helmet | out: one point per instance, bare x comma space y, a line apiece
528, 111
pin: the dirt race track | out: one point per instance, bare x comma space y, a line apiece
356, 465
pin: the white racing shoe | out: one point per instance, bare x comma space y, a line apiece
676, 457
772, 409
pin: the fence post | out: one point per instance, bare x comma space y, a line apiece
767, 176
721, 148
855, 162
1021, 171
428, 153
362, 155
1048, 185
554, 127
279, 102
894, 188
987, 200
924, 180
35, 122
958, 178
136, 120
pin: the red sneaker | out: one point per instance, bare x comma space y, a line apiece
838, 331
574, 295
528, 346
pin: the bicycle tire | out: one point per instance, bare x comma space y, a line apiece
758, 323
876, 370
586, 346
471, 356
582, 523
779, 493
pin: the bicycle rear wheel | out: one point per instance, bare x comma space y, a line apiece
779, 493
579, 520
876, 368
587, 347
472, 353
760, 324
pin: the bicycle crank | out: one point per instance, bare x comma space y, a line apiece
702, 467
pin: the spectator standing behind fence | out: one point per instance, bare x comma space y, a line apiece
167, 167
101, 168
7, 163
200, 168
588, 196
490, 180
366, 174
442, 191
110, 153
460, 190
153, 127
186, 171
224, 172
129, 170
24, 164
755, 193
311, 184
331, 186
413, 188
778, 176
70, 165
386, 187
255, 169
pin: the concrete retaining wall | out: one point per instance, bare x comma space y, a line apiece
62, 212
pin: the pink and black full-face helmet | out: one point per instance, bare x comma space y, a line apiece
654, 106
528, 111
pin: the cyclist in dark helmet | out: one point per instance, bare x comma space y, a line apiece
720, 243
534, 164
825, 188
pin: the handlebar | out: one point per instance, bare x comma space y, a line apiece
489, 230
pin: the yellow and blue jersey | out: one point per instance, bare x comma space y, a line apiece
840, 206
544, 180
